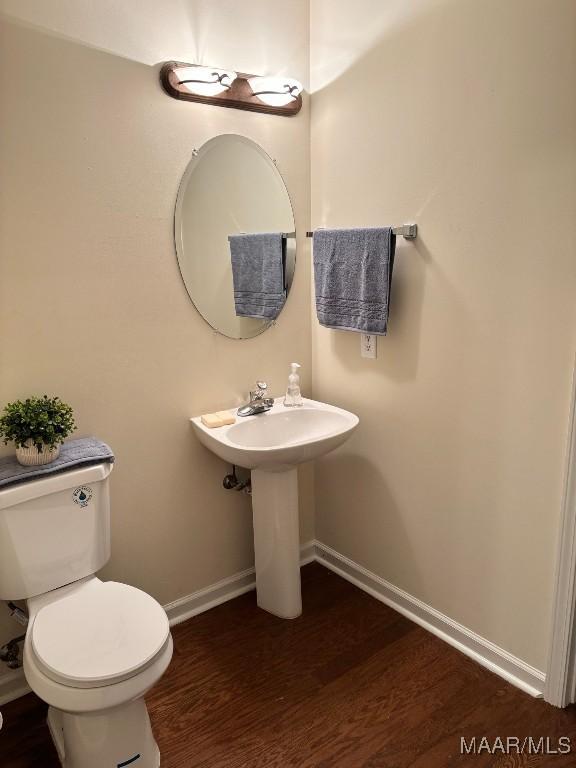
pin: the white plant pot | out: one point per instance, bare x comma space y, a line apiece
29, 455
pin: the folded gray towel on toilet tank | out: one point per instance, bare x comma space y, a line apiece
258, 274
353, 278
73, 454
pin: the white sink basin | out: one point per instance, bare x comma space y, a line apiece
271, 444
281, 437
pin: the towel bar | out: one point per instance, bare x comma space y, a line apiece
409, 231
284, 235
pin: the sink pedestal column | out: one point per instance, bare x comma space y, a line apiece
277, 541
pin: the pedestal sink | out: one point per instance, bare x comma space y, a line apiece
271, 444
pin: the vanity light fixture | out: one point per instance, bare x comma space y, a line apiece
205, 81
226, 88
275, 91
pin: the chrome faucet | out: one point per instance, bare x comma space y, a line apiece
259, 403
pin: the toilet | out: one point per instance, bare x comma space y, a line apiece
93, 648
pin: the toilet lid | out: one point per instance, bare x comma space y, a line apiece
100, 634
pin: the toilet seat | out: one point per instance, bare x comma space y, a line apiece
98, 635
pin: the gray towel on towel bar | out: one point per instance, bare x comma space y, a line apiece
258, 274
73, 454
353, 277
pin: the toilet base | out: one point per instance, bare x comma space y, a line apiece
115, 738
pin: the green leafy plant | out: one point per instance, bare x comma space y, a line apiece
46, 421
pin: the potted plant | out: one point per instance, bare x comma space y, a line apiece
37, 426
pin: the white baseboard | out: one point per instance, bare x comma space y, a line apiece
185, 607
308, 552
487, 654
512, 669
13, 683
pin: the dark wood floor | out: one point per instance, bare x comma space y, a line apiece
350, 684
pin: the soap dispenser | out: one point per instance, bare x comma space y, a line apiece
293, 394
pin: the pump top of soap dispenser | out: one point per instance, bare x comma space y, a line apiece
293, 395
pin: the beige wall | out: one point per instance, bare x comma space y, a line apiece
461, 116
92, 306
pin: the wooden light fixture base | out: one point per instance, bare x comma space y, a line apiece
238, 96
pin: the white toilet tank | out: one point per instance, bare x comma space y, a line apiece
53, 530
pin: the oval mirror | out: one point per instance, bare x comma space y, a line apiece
235, 236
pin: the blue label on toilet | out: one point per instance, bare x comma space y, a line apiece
82, 495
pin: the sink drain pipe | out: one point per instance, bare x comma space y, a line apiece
233, 483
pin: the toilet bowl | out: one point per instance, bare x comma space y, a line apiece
93, 648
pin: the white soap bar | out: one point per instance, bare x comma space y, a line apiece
226, 417
211, 420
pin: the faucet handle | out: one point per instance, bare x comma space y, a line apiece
259, 393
